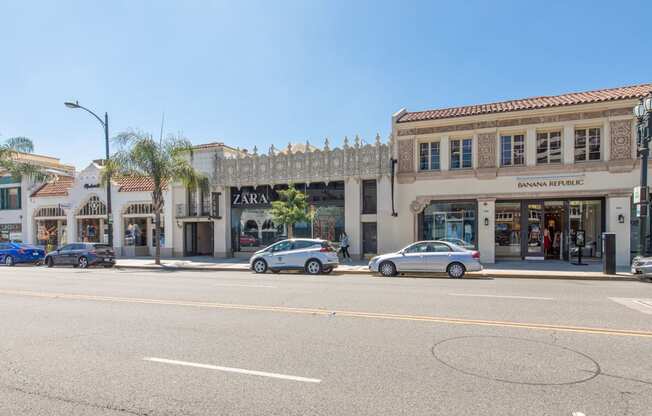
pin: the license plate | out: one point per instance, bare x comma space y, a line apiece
34, 254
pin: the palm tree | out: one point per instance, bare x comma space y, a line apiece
10, 162
291, 208
164, 161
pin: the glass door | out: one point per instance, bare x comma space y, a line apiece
533, 230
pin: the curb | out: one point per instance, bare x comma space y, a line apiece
613, 278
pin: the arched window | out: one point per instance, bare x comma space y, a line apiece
93, 207
49, 212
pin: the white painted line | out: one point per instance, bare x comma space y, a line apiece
243, 285
234, 370
500, 296
578, 414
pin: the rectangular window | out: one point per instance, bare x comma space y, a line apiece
10, 198
548, 147
587, 144
369, 196
461, 154
429, 156
512, 150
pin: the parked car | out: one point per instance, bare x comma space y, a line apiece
16, 253
642, 267
458, 242
311, 255
428, 257
82, 255
248, 240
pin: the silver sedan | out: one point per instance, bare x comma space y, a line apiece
428, 257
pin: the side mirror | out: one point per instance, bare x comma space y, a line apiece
402, 252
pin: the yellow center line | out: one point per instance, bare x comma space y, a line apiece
341, 313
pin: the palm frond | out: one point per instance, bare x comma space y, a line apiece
19, 144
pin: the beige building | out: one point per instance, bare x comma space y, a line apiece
518, 179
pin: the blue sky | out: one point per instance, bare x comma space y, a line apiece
270, 72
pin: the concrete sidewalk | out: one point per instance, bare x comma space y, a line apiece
549, 269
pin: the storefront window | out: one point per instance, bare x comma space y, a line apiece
51, 233
587, 216
508, 229
253, 228
450, 221
88, 230
11, 232
135, 231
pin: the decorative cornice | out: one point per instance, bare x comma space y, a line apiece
311, 165
510, 122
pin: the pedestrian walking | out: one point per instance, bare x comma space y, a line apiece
344, 246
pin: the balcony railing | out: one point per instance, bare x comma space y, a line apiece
191, 210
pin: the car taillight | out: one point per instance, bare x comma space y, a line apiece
475, 255
326, 250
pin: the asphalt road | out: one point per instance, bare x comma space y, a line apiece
108, 342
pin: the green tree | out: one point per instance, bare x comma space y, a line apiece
164, 161
291, 209
10, 161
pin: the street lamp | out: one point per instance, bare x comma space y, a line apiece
105, 125
643, 113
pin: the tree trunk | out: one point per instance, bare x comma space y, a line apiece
290, 231
157, 236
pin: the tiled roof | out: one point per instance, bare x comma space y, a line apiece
57, 187
574, 98
135, 184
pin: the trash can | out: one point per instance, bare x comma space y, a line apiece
609, 253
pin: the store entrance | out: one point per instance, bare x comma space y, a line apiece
546, 229
198, 239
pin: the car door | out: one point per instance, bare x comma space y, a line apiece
4, 251
411, 259
437, 257
279, 255
297, 257
65, 254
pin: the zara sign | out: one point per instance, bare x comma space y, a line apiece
255, 198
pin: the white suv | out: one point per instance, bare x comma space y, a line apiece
313, 256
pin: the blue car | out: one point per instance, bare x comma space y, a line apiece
15, 253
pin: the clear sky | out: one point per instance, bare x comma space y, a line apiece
270, 72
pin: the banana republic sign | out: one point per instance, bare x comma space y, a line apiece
551, 181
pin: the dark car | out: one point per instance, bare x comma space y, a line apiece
82, 255
15, 253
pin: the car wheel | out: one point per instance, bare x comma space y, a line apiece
387, 269
455, 270
82, 262
313, 267
260, 266
9, 261
49, 261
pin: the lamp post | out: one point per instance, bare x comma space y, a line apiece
643, 113
105, 125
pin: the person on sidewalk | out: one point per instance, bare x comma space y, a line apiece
344, 246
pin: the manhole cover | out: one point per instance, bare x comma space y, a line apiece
516, 360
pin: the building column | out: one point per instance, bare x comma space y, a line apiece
352, 212
617, 205
444, 154
530, 147
568, 144
384, 220
71, 228
222, 227
487, 233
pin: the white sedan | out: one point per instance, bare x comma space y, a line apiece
311, 255
428, 257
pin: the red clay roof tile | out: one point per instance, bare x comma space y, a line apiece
586, 97
57, 187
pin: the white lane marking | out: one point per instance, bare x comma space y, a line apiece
233, 370
500, 296
243, 285
578, 414
638, 304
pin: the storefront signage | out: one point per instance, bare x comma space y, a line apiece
250, 199
556, 181
91, 185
